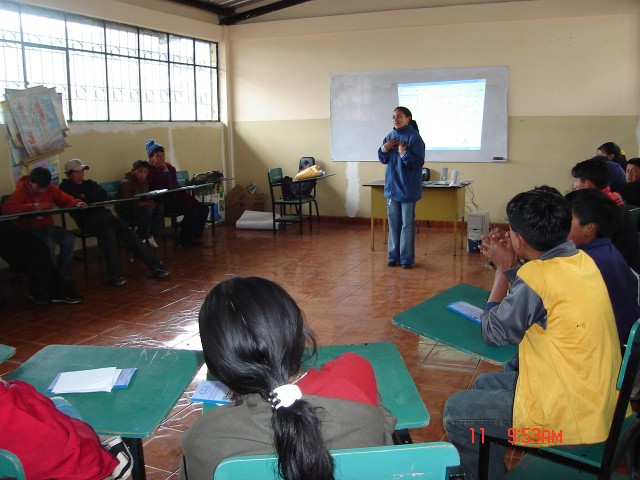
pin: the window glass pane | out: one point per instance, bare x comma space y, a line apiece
181, 49
124, 88
153, 45
9, 22
85, 34
154, 90
182, 93
203, 54
88, 86
122, 40
48, 67
44, 27
11, 74
204, 90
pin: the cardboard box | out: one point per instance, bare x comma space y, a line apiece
240, 199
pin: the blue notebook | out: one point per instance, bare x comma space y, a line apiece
470, 312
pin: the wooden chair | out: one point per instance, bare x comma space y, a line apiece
426, 461
597, 460
289, 210
10, 466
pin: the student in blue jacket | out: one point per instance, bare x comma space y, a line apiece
402, 151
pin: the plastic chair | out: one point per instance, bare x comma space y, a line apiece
275, 177
306, 162
427, 461
596, 460
10, 466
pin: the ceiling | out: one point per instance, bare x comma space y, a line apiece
231, 12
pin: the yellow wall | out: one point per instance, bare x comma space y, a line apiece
574, 83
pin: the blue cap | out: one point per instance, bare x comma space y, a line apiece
152, 146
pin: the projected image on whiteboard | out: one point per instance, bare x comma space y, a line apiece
449, 114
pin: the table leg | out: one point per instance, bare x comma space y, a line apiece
455, 235
402, 437
373, 235
135, 447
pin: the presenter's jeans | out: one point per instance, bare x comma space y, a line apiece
401, 231
488, 405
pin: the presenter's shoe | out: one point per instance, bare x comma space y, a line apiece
392, 264
70, 299
406, 266
118, 281
118, 450
151, 242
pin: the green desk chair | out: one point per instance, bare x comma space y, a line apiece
281, 205
594, 461
174, 230
10, 466
183, 177
111, 188
427, 461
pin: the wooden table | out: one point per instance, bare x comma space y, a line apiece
439, 202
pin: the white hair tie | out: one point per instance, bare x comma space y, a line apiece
284, 396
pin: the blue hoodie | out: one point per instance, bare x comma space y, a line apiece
403, 178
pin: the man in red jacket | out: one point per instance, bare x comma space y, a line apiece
34, 192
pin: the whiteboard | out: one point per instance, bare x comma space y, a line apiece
362, 105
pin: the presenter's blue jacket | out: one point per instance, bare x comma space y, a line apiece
403, 178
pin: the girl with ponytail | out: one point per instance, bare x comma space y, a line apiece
253, 338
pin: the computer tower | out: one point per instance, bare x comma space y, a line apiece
477, 226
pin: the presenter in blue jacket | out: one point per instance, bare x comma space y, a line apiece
402, 152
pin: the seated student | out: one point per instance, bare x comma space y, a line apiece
593, 173
594, 219
253, 337
613, 153
36, 192
630, 192
163, 175
557, 311
51, 440
147, 214
23, 251
108, 228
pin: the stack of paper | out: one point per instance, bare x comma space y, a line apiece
210, 391
94, 380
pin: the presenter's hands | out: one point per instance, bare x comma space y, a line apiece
391, 144
402, 147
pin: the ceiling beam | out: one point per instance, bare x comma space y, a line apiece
220, 11
256, 12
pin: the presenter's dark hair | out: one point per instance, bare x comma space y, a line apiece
595, 170
590, 205
542, 218
253, 338
407, 112
41, 176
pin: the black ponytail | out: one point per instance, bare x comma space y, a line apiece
253, 338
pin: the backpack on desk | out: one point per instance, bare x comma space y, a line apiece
214, 176
291, 191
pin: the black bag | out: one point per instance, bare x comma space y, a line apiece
214, 176
291, 191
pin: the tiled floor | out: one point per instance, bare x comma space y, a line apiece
347, 292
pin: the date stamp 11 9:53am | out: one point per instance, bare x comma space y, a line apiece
524, 435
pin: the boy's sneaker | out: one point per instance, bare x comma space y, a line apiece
118, 450
70, 299
158, 271
118, 281
152, 242
38, 300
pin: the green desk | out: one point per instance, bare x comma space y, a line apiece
134, 412
439, 202
6, 352
432, 319
399, 394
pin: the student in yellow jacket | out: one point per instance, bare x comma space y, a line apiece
557, 309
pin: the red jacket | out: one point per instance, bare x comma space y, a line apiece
48, 443
23, 200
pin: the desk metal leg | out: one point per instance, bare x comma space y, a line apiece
135, 447
402, 437
373, 235
455, 236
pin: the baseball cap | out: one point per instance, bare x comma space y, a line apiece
75, 164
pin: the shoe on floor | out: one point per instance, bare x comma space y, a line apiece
38, 300
118, 281
70, 299
151, 242
406, 265
392, 264
117, 448
158, 271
